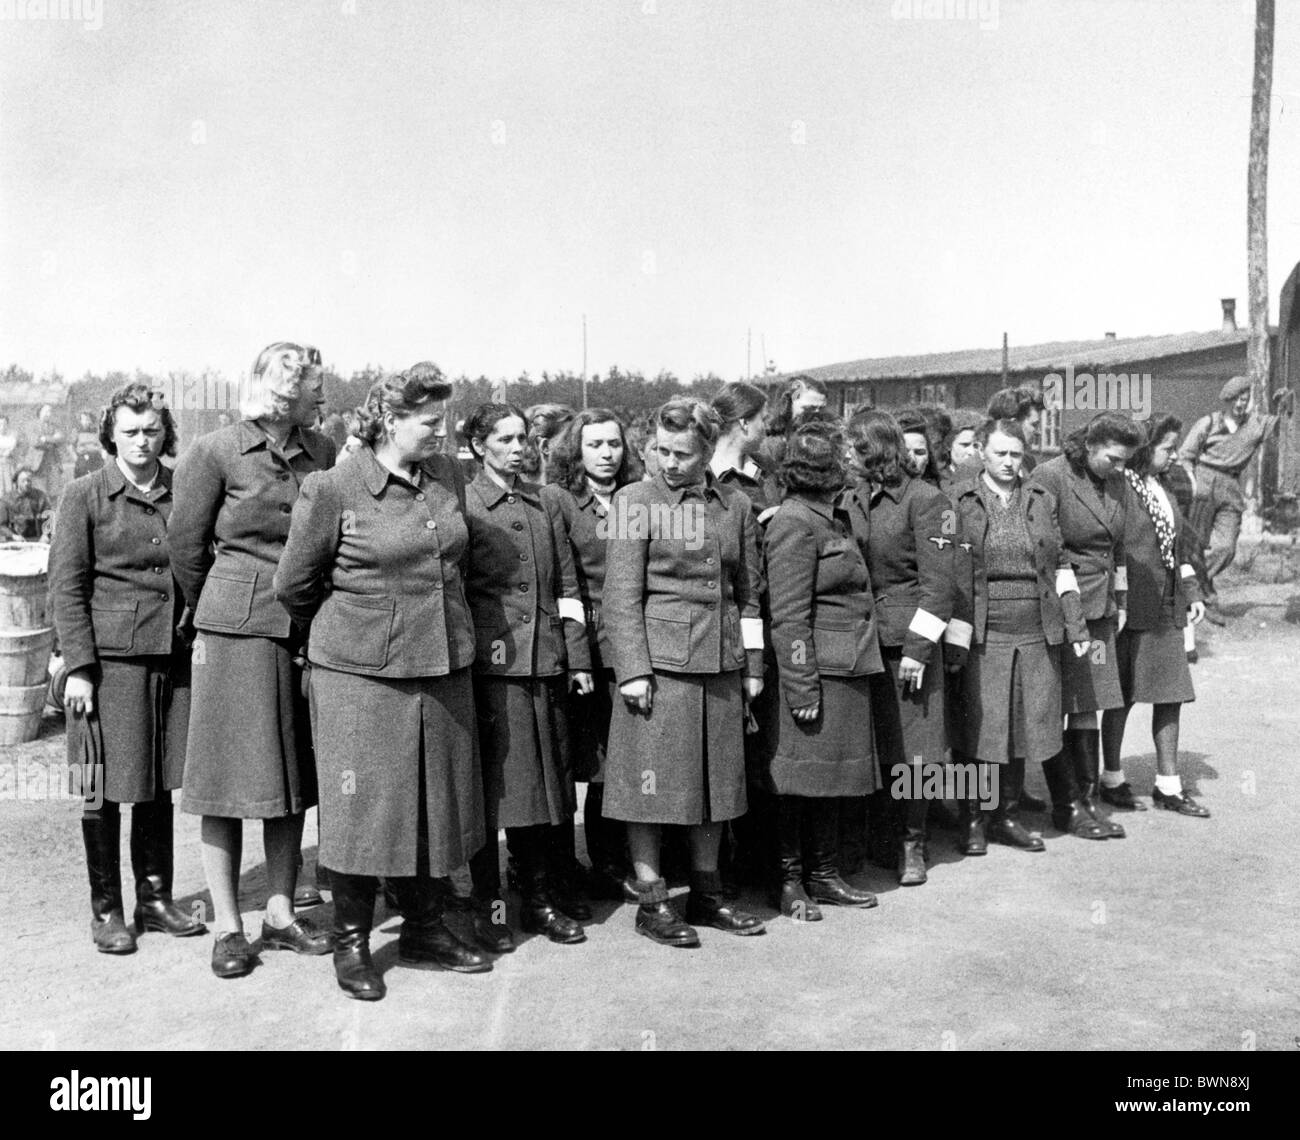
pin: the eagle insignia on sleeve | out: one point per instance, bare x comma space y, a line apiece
940, 541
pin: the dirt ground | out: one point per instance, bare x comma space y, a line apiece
1181, 936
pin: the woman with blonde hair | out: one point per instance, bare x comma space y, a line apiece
249, 751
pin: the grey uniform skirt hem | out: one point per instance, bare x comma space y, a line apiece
524, 741
833, 755
1091, 682
1153, 667
1011, 700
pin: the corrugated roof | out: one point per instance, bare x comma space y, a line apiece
1082, 355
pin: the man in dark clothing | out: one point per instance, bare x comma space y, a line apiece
25, 510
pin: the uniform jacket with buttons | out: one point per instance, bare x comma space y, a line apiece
110, 577
1148, 576
683, 580
581, 518
234, 498
909, 556
1092, 528
377, 566
1060, 609
823, 619
522, 586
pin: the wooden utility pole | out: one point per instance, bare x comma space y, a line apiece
1257, 356
584, 361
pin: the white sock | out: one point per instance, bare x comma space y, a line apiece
1111, 779
1170, 785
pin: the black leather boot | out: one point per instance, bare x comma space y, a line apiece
911, 852
424, 936
538, 909
491, 930
1004, 827
1083, 745
707, 906
822, 877
793, 900
564, 870
354, 916
151, 860
1068, 813
108, 927
973, 839
656, 919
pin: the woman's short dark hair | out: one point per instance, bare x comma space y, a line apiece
136, 398
566, 466
546, 421
878, 441
1015, 403
1157, 427
403, 394
685, 414
783, 421
1006, 427
1103, 428
814, 458
484, 418
738, 401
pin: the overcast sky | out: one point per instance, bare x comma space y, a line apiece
461, 181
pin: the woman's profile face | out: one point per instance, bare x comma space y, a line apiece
305, 410
1163, 453
418, 435
1108, 458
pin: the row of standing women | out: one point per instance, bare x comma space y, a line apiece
433, 660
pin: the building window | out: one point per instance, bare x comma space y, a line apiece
857, 396
940, 394
1049, 430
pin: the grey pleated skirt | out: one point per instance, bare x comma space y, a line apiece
1091, 682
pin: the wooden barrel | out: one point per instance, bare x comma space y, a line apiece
25, 656
20, 713
24, 585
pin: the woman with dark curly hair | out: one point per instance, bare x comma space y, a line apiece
375, 562
531, 648
1087, 481
1163, 601
120, 623
825, 645
587, 464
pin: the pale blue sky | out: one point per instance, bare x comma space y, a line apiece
460, 181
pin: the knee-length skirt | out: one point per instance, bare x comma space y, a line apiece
132, 747
685, 762
1011, 699
1153, 666
524, 742
1091, 682
248, 753
401, 790
833, 755
910, 724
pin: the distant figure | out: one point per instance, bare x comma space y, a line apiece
26, 511
10, 445
223, 420
50, 443
90, 455
1025, 406
800, 394
962, 445
1217, 452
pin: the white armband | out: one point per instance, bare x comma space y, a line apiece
958, 633
572, 608
1187, 571
751, 633
1066, 581
1121, 579
926, 625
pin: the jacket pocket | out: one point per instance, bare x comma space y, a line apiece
354, 630
114, 626
669, 639
837, 647
227, 599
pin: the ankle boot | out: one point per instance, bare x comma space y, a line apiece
973, 839
1083, 745
822, 879
911, 851
880, 828
108, 927
151, 860
538, 908
793, 900
1005, 828
707, 906
488, 919
424, 936
1068, 813
563, 867
656, 919
354, 916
